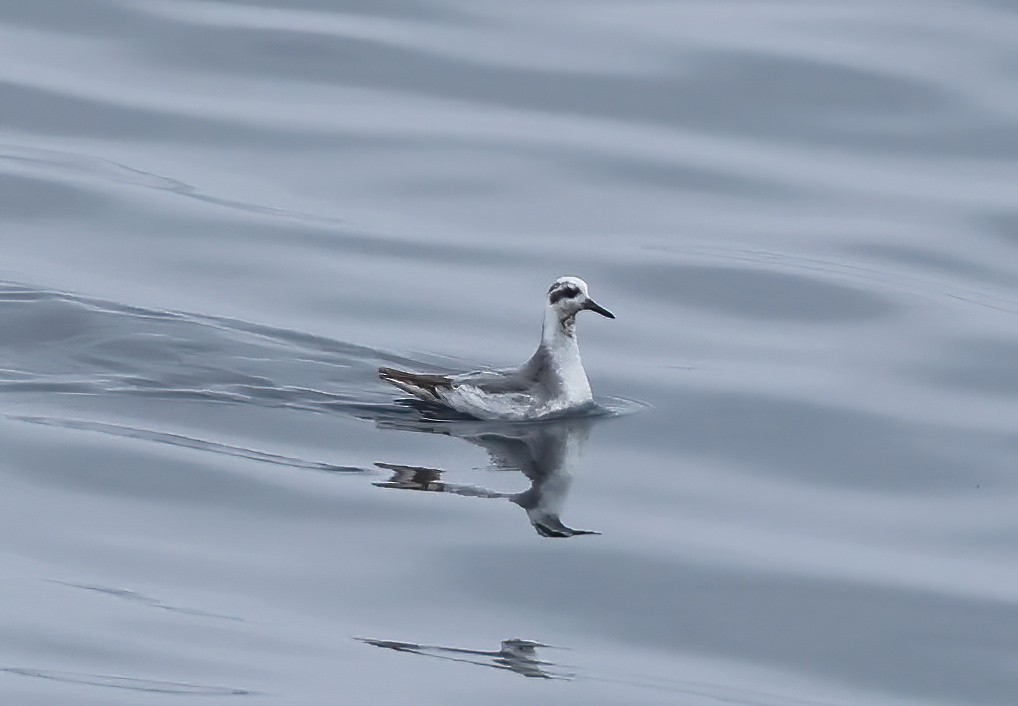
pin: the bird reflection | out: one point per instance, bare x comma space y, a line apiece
545, 452
515, 655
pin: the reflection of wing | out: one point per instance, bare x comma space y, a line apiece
413, 477
429, 479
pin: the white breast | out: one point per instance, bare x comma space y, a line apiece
567, 364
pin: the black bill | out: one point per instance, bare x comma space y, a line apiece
594, 306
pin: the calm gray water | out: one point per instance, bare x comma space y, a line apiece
218, 218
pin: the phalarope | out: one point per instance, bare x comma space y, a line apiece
552, 381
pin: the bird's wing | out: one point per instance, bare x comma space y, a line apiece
496, 382
422, 385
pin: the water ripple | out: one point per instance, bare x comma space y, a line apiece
135, 597
129, 683
186, 442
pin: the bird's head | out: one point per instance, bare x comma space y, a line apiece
568, 296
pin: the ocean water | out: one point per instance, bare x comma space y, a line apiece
219, 217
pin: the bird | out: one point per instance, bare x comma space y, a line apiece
550, 383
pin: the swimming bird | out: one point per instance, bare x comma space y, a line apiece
551, 382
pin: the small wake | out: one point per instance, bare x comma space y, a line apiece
61, 343
187, 442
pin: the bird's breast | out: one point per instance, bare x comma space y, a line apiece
575, 388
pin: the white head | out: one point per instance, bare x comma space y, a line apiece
567, 297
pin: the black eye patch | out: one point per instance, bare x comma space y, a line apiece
562, 292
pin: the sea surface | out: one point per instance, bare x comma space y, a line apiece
219, 217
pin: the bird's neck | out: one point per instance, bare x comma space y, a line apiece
559, 334
558, 340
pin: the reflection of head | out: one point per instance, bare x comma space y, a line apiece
545, 452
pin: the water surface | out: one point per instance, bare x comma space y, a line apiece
217, 219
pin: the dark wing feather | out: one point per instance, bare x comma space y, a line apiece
427, 382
